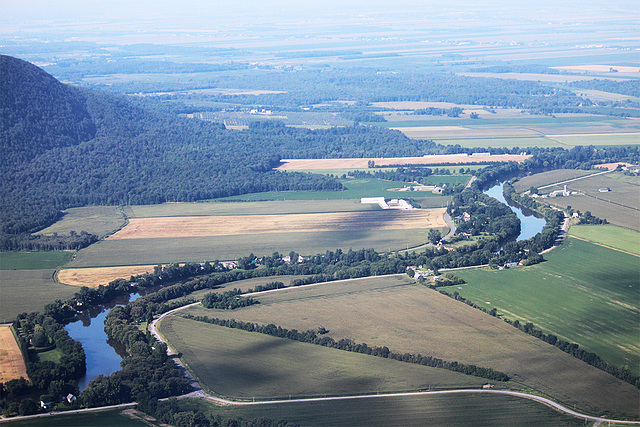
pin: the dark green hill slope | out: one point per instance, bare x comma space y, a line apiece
37, 112
64, 147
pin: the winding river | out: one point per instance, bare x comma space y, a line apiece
104, 357
530, 223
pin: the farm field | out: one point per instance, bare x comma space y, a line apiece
11, 361
99, 220
33, 260
549, 177
424, 321
449, 410
361, 163
356, 189
198, 226
94, 277
242, 365
620, 206
196, 249
107, 418
29, 290
598, 288
213, 208
608, 235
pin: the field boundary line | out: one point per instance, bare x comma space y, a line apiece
603, 245
574, 179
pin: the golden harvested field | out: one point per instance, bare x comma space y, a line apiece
408, 317
198, 226
11, 361
94, 277
315, 164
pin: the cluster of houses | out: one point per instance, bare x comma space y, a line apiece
419, 272
432, 188
70, 399
392, 204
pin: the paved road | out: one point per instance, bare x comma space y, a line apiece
574, 179
199, 393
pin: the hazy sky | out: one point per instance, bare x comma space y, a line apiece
18, 14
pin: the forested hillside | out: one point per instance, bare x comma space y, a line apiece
65, 147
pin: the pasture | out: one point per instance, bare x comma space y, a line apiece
94, 277
242, 365
608, 235
29, 290
196, 249
548, 178
105, 418
620, 206
11, 361
212, 208
408, 317
99, 220
402, 411
198, 226
583, 293
356, 188
34, 260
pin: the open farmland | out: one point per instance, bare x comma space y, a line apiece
356, 188
547, 178
240, 364
34, 260
245, 208
197, 226
609, 235
620, 206
362, 163
105, 418
598, 289
424, 321
99, 220
196, 249
402, 411
29, 290
94, 277
11, 361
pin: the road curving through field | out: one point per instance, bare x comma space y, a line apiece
199, 393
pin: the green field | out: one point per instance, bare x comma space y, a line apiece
108, 418
609, 235
242, 365
99, 220
408, 317
33, 260
547, 178
195, 249
620, 206
246, 208
29, 290
356, 189
584, 293
436, 410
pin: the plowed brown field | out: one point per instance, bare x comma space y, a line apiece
198, 226
323, 164
94, 277
11, 362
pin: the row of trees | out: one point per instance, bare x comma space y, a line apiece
315, 337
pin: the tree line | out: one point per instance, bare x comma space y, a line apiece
314, 337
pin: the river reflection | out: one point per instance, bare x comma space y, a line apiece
103, 355
530, 223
